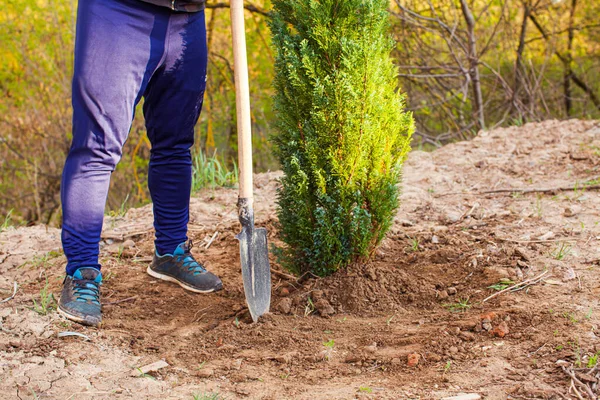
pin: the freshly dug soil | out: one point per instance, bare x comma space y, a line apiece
411, 323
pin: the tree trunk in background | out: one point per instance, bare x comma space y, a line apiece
473, 64
519, 69
569, 60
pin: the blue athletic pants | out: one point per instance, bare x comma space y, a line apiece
126, 49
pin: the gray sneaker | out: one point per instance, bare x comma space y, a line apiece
181, 268
80, 297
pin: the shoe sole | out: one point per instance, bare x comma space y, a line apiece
77, 319
168, 278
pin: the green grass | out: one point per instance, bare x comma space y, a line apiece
502, 284
210, 172
462, 305
47, 301
122, 209
563, 250
7, 221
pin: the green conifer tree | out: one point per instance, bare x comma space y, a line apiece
342, 132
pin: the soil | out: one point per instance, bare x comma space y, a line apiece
412, 323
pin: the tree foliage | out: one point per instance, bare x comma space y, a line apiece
342, 133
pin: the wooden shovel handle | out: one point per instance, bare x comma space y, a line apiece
242, 99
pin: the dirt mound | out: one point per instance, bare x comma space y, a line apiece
415, 322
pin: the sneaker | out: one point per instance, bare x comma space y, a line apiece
181, 268
80, 297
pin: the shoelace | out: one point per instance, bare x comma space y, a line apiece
85, 290
189, 262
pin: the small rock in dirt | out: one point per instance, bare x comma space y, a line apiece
372, 348
128, 244
316, 294
435, 239
406, 222
571, 211
284, 292
480, 164
434, 357
486, 323
463, 396
237, 364
238, 377
396, 361
352, 358
453, 350
413, 359
242, 391
440, 229
501, 330
155, 366
205, 373
451, 291
443, 295
452, 217
546, 236
286, 358
569, 274
324, 308
237, 307
285, 305
467, 336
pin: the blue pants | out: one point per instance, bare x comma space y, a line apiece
126, 49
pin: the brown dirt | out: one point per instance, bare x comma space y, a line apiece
391, 329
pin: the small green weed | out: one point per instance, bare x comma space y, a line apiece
7, 221
563, 250
571, 317
502, 284
538, 206
462, 305
47, 301
310, 307
329, 344
143, 375
593, 361
414, 244
365, 389
122, 209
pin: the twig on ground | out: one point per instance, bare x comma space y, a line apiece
542, 190
112, 303
518, 286
211, 240
582, 385
572, 386
198, 312
284, 275
536, 241
15, 287
65, 334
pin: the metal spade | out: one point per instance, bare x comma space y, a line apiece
254, 258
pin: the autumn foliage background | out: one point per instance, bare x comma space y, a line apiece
465, 65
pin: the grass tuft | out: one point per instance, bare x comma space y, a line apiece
210, 172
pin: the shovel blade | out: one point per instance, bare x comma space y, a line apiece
256, 272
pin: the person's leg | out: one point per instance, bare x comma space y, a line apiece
119, 44
173, 101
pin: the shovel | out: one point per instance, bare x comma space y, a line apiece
256, 272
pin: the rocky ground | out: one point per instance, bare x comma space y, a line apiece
515, 207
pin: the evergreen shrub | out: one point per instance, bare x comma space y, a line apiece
342, 131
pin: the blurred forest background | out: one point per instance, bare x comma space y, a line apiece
465, 65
